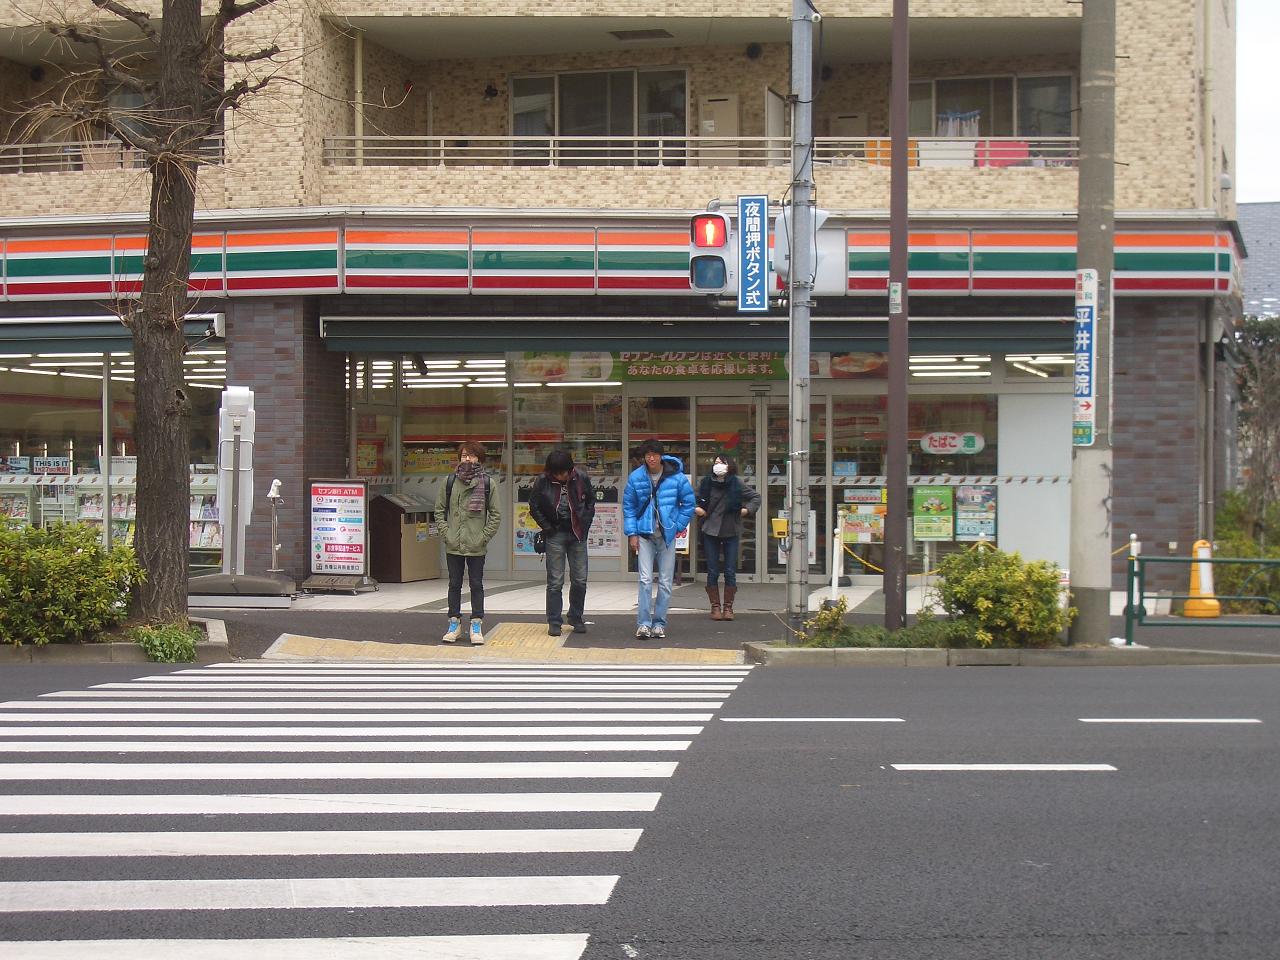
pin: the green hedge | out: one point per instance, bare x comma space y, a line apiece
57, 584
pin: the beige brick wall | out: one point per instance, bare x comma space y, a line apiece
274, 145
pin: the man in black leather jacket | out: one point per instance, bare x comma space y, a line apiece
563, 504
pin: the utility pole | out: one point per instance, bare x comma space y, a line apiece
803, 260
895, 533
1095, 251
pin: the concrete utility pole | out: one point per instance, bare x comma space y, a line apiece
895, 532
803, 260
1095, 250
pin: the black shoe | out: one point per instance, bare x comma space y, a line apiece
553, 629
578, 626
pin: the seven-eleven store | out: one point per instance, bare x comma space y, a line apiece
376, 344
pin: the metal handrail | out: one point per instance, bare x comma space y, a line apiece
61, 156
988, 152
1135, 609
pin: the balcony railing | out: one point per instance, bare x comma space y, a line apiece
690, 151
70, 155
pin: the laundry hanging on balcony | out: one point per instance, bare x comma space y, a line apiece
955, 123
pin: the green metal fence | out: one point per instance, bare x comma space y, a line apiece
1135, 609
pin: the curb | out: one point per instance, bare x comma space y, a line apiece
770, 655
213, 650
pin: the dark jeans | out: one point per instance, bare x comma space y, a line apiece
722, 553
562, 545
475, 573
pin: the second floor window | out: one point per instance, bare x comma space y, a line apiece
970, 107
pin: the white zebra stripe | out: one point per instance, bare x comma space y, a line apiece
554, 946
302, 893
303, 803
382, 716
319, 843
135, 730
513, 770
357, 746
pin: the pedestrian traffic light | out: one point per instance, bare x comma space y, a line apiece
711, 264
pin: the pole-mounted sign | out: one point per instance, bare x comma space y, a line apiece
1083, 417
753, 241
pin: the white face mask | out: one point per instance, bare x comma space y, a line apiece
720, 469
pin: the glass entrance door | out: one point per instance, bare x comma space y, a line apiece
728, 427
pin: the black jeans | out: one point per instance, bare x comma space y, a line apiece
562, 545
475, 573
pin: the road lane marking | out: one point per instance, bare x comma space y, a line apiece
361, 746
812, 720
514, 770
294, 803
52, 896
426, 695
1006, 767
1166, 720
318, 843
553, 946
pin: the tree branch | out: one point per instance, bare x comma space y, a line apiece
265, 54
230, 11
106, 64
136, 17
230, 98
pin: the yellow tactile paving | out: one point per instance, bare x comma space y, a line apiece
506, 641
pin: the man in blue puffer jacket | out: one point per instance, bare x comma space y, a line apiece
656, 505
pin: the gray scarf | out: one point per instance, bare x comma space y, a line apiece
467, 471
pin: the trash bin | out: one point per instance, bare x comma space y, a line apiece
403, 541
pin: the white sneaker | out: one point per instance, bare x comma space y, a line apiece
658, 632
454, 632
477, 633
642, 632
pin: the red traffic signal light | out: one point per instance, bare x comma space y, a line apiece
709, 230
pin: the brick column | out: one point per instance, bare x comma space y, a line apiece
274, 348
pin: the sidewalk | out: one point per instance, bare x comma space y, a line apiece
405, 621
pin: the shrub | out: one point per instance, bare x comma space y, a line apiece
58, 584
999, 600
828, 628
168, 642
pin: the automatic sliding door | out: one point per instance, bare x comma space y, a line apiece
727, 427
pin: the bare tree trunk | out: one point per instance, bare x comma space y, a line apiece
163, 406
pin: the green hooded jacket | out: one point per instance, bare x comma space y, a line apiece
467, 534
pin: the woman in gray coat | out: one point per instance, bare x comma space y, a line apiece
723, 501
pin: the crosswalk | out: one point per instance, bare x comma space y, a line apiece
343, 811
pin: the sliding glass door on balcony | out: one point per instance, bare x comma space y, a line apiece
600, 117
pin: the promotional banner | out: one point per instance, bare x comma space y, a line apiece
976, 513
339, 521
933, 513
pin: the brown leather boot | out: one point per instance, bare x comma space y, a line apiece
713, 594
729, 593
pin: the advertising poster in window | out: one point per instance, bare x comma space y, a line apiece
933, 513
523, 529
976, 513
540, 416
863, 523
338, 527
605, 538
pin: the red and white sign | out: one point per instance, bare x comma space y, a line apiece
944, 443
339, 526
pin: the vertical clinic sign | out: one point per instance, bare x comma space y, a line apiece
1084, 394
339, 543
753, 243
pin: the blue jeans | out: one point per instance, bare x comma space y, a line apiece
562, 545
655, 552
715, 548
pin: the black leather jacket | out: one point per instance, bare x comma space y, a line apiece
582, 503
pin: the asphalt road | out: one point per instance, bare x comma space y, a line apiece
795, 840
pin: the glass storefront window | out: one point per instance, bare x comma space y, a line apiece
437, 418
586, 421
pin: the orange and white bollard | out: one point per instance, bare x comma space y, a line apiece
1201, 601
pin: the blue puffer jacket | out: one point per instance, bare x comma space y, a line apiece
675, 499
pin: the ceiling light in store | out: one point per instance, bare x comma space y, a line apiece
442, 363
122, 379
534, 384
588, 383
954, 366
81, 376
977, 359
952, 373
74, 356
383, 365
207, 386
1024, 367
445, 373
931, 359
486, 383
438, 385
15, 356
47, 373
66, 363
1054, 361
486, 363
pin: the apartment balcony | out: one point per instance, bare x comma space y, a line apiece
96, 156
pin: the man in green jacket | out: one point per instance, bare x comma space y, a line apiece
468, 515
